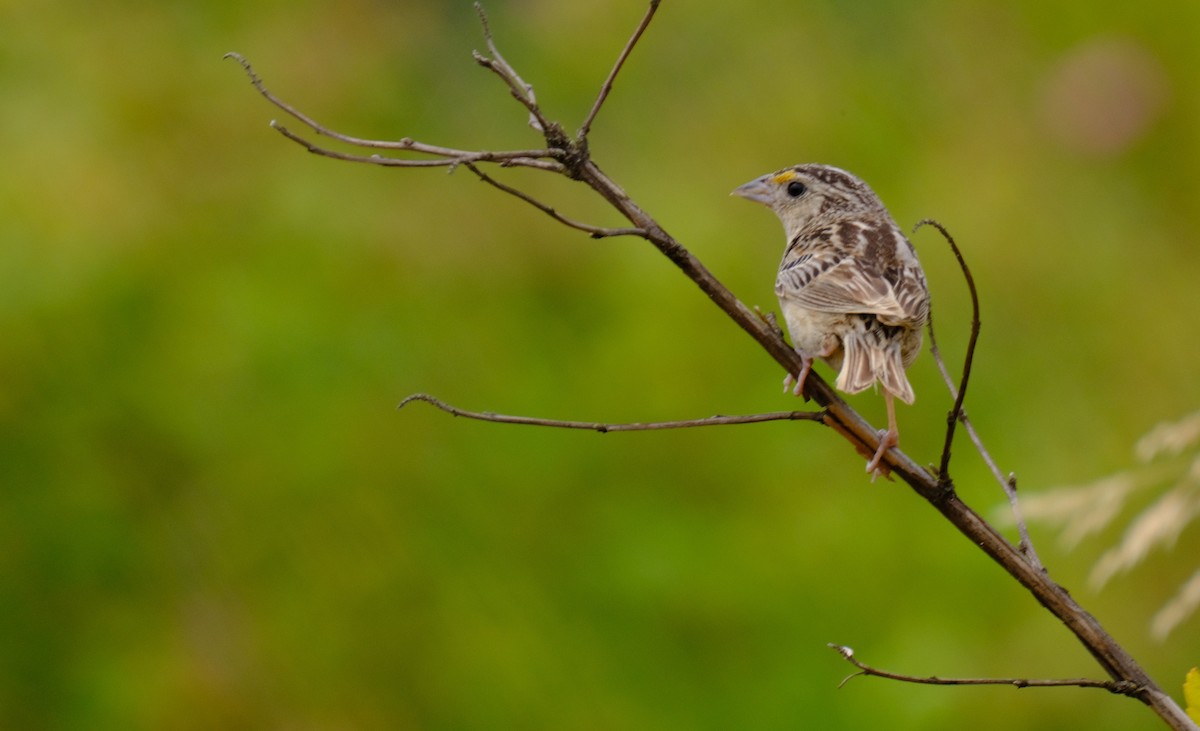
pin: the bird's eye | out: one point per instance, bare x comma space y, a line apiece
796, 189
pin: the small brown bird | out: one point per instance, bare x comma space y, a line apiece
850, 286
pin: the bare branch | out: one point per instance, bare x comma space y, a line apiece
605, 428
1120, 687
606, 87
596, 232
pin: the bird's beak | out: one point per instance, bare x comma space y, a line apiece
756, 190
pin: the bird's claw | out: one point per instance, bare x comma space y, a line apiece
887, 440
796, 383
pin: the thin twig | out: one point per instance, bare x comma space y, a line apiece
605, 428
606, 87
959, 414
596, 232
1120, 687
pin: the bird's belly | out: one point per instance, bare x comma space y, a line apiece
815, 333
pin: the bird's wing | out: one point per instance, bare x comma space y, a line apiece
839, 284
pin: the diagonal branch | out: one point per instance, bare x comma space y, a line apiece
1120, 687
606, 428
606, 87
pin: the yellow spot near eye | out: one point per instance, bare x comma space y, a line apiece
783, 177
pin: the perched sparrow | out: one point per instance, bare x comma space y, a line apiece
850, 286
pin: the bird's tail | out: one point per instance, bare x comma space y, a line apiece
866, 361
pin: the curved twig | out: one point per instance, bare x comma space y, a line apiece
959, 414
604, 428
956, 412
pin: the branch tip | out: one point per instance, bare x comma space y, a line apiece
242, 61
483, 19
416, 397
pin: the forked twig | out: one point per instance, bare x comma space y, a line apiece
1120, 687
604, 428
543, 159
607, 86
521, 90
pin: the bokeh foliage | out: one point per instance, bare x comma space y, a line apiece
212, 517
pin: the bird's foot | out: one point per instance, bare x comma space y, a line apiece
888, 438
795, 384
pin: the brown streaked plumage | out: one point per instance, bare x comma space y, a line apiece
850, 286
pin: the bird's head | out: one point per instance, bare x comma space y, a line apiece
811, 192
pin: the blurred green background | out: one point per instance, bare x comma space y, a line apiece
211, 515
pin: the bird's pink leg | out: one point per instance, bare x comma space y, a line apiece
887, 439
806, 368
800, 377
